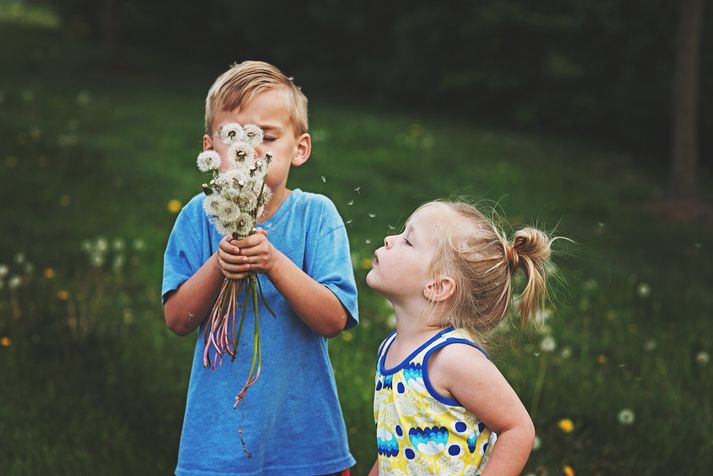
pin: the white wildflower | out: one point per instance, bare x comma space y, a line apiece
14, 282
231, 133
29, 268
253, 135
650, 345
702, 358
118, 263
548, 344
208, 160
566, 352
139, 244
4, 270
626, 416
19, 258
241, 152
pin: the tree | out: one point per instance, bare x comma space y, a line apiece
685, 98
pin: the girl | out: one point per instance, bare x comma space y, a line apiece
440, 403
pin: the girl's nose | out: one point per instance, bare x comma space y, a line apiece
387, 242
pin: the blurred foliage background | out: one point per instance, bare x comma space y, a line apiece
559, 114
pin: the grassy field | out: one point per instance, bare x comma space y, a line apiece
91, 167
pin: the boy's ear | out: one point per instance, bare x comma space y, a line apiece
304, 148
440, 290
207, 142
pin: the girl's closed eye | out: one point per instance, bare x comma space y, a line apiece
408, 243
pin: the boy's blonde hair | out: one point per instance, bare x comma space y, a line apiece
243, 81
481, 261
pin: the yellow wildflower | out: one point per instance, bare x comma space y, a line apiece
5, 342
601, 359
174, 206
366, 263
49, 273
62, 295
568, 470
566, 425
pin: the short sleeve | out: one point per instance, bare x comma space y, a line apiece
183, 252
331, 264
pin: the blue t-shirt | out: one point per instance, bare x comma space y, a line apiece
291, 419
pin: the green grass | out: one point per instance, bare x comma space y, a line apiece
95, 383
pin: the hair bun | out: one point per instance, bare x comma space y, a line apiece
531, 243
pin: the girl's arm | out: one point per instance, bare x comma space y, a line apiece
462, 372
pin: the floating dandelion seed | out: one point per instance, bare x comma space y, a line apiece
566, 425
392, 228
348, 222
702, 358
358, 190
350, 202
324, 179
643, 290
626, 416
367, 241
372, 215
548, 344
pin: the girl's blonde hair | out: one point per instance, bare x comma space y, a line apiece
243, 81
477, 255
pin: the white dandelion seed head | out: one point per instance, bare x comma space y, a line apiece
228, 211
626, 416
139, 244
643, 290
253, 135
566, 352
118, 263
247, 202
208, 161
244, 224
541, 316
212, 204
101, 244
231, 183
96, 260
4, 270
702, 358
14, 282
231, 133
241, 153
19, 258
29, 268
86, 246
224, 228
118, 244
548, 344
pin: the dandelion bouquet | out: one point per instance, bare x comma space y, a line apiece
235, 198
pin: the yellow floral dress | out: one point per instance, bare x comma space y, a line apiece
418, 430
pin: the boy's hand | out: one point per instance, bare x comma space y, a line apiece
254, 253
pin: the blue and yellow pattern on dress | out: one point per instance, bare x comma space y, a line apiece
419, 431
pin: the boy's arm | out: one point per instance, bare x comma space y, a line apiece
479, 386
186, 307
315, 304
374, 471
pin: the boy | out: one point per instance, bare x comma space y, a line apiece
290, 419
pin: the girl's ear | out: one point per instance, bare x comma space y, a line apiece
304, 148
207, 142
440, 290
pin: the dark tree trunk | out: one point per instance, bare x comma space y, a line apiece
685, 98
